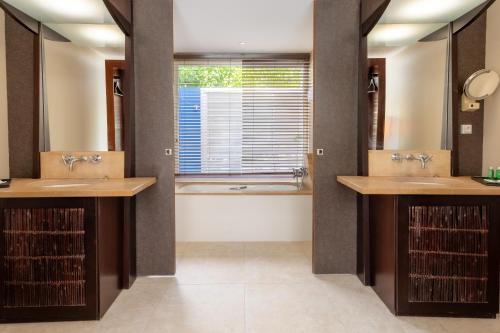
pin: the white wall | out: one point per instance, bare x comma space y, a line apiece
491, 155
415, 81
237, 218
76, 96
4, 139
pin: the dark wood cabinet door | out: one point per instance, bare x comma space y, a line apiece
48, 259
447, 256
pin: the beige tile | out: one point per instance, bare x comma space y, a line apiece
209, 249
465, 325
200, 308
289, 308
212, 270
253, 249
278, 269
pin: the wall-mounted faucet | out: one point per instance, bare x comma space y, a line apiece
422, 157
298, 175
70, 160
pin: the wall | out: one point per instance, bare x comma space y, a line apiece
415, 96
22, 97
76, 97
470, 49
154, 116
492, 105
4, 130
336, 54
236, 218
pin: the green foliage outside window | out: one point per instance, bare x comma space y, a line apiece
238, 76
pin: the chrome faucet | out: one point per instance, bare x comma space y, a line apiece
298, 175
70, 160
422, 157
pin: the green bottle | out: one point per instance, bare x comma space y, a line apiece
491, 173
497, 174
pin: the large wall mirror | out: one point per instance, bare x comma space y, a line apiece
82, 73
409, 75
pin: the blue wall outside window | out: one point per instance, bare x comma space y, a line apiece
189, 130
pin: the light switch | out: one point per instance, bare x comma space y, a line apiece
168, 152
466, 129
320, 152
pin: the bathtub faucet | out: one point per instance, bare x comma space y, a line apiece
298, 175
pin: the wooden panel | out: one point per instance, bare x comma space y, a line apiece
383, 250
55, 238
110, 233
112, 166
456, 246
381, 164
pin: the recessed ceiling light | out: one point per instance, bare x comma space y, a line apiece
243, 43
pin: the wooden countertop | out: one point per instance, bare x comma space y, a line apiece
53, 188
417, 186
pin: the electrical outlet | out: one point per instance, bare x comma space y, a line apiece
466, 129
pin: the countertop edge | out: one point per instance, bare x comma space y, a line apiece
80, 192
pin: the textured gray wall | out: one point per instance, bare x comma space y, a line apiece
154, 107
336, 24
471, 57
20, 57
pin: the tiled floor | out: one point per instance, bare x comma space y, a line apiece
253, 288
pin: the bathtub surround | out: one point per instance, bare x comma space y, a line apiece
335, 131
243, 218
153, 48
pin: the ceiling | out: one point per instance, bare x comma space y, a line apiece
199, 25
405, 22
243, 25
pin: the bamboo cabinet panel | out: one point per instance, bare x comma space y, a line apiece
52, 267
436, 255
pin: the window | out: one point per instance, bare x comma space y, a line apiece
242, 116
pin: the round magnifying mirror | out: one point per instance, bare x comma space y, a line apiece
481, 84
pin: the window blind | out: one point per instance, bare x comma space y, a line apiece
242, 116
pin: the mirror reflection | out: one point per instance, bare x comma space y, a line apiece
408, 75
82, 73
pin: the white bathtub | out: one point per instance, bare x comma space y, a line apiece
242, 212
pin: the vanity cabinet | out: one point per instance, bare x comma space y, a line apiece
436, 255
60, 258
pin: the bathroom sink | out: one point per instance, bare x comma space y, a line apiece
62, 183
431, 181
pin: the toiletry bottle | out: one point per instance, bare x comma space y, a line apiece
497, 174
491, 173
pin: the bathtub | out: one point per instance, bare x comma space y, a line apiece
242, 212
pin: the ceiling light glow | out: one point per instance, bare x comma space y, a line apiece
423, 9
71, 8
104, 34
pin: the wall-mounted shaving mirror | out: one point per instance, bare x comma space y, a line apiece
481, 85
81, 77
409, 104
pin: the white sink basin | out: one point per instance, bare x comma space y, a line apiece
430, 181
63, 183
